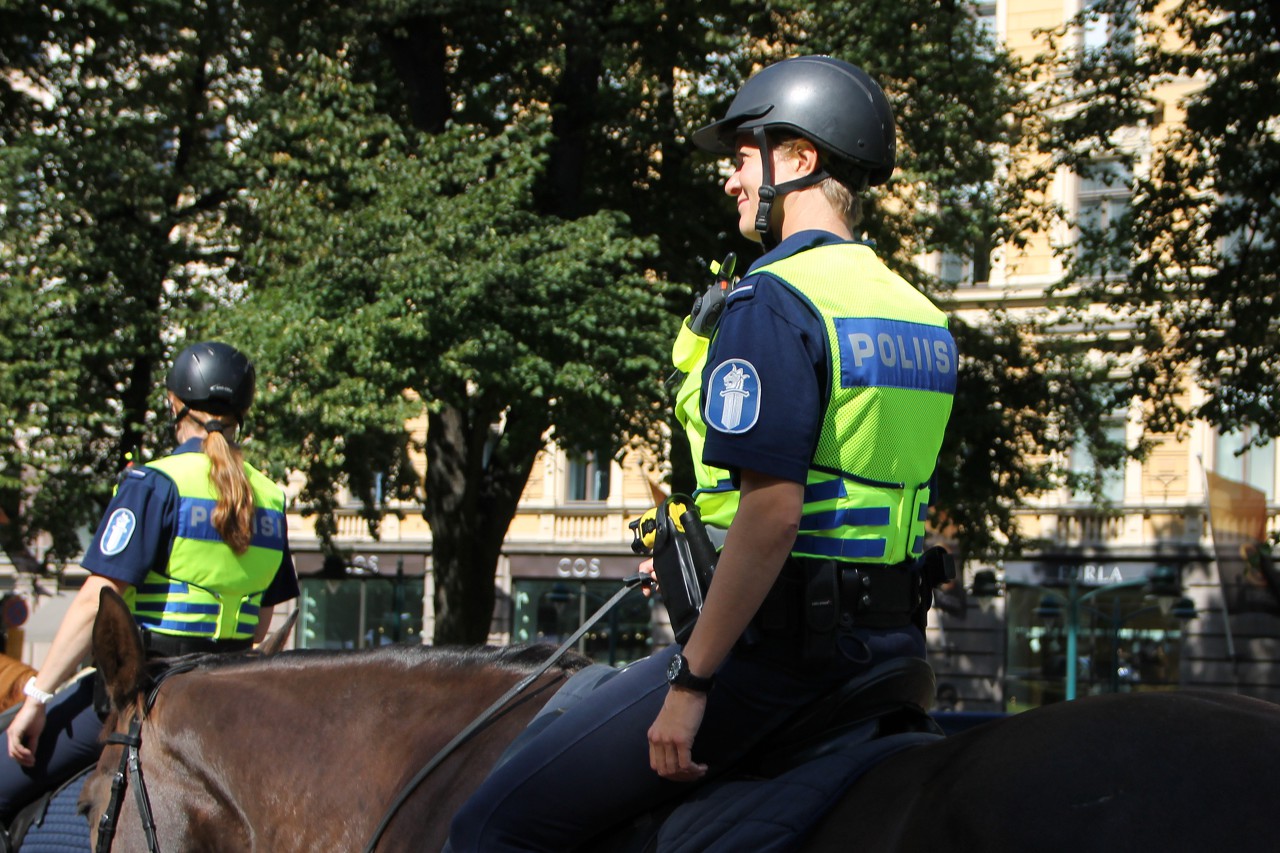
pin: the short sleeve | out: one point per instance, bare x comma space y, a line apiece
284, 586
764, 387
136, 532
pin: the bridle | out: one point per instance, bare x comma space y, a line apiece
130, 768
130, 771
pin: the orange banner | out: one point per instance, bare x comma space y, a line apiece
1238, 518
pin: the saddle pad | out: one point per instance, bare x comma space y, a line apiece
768, 815
60, 829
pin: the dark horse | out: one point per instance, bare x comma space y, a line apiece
305, 751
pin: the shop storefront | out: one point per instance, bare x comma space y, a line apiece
373, 599
551, 596
1079, 628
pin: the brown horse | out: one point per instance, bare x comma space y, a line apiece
305, 751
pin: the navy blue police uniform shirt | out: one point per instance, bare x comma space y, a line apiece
136, 532
766, 384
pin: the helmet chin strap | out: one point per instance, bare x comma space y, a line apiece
209, 424
768, 191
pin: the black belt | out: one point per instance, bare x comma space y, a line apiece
868, 595
160, 645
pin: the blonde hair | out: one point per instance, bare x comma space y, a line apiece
846, 203
233, 515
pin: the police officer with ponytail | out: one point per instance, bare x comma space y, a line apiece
824, 393
194, 542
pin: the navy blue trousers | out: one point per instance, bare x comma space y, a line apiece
68, 744
588, 770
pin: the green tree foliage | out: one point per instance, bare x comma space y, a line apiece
1192, 266
114, 168
486, 212
399, 272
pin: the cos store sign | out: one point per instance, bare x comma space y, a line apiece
573, 567
580, 569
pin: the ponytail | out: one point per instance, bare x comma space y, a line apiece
233, 515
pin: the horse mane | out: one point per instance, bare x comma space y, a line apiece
520, 658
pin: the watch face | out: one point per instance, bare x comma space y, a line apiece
673, 668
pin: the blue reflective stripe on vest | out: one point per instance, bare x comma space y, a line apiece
195, 521
268, 529
826, 490
722, 486
825, 546
173, 626
876, 516
924, 513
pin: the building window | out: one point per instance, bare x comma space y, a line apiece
588, 477
1103, 194
1109, 25
1124, 644
984, 12
1236, 459
971, 271
1084, 465
549, 611
359, 612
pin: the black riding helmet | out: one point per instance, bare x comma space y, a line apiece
212, 377
835, 105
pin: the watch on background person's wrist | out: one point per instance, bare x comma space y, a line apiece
33, 692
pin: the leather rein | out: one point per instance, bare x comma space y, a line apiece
130, 770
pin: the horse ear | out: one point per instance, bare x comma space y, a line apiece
276, 639
117, 649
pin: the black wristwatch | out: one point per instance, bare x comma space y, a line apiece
678, 674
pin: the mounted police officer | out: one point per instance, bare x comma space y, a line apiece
194, 542
823, 396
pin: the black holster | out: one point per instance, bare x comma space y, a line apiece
684, 561
821, 612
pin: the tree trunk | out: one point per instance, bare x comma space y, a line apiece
471, 497
573, 113
418, 51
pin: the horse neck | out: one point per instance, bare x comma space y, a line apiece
345, 734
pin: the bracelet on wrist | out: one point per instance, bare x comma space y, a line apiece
35, 692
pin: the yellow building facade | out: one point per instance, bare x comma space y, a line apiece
1081, 614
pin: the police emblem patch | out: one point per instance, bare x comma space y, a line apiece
118, 532
733, 397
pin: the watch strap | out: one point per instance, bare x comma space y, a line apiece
36, 693
684, 677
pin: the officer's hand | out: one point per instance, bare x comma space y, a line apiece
646, 568
672, 733
25, 729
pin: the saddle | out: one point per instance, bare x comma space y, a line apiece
785, 785
893, 696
